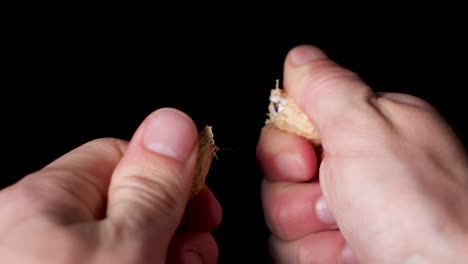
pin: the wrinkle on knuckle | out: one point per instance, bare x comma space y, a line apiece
76, 184
149, 192
323, 73
35, 191
60, 188
108, 145
398, 112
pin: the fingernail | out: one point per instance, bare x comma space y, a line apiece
290, 165
171, 133
304, 54
191, 257
323, 212
348, 256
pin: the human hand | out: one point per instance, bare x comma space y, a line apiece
110, 201
393, 176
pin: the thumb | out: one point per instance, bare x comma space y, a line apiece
150, 186
335, 98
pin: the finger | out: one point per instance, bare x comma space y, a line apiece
285, 157
151, 184
190, 248
203, 212
333, 97
73, 188
406, 112
294, 210
324, 247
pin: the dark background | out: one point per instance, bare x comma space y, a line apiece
71, 78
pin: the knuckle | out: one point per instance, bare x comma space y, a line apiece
404, 99
326, 73
53, 187
153, 191
408, 114
108, 144
150, 192
33, 192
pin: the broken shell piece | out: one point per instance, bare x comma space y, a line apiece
206, 151
286, 115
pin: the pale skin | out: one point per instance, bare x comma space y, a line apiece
393, 186
393, 176
112, 201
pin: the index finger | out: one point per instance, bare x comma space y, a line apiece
74, 187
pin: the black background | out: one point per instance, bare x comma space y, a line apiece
74, 76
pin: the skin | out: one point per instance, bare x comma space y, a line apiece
112, 201
389, 186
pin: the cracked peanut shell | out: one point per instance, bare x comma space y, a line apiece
287, 116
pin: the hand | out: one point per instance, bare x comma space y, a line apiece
393, 178
110, 201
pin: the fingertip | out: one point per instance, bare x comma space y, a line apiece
203, 213
216, 208
170, 132
285, 157
326, 92
303, 54
150, 186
